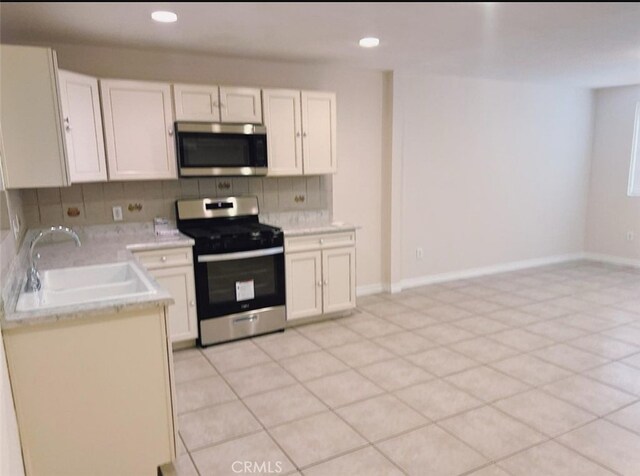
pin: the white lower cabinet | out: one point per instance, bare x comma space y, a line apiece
173, 269
320, 274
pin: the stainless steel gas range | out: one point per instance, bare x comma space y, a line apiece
239, 268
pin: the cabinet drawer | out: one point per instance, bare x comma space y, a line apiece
320, 241
165, 258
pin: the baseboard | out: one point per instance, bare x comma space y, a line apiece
484, 271
368, 289
611, 259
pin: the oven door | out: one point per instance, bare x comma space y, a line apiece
221, 150
230, 283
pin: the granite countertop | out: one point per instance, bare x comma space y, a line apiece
100, 245
311, 228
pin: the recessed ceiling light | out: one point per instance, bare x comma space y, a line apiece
164, 17
369, 42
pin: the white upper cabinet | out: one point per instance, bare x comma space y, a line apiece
138, 127
240, 105
319, 132
193, 102
301, 131
283, 120
80, 101
34, 148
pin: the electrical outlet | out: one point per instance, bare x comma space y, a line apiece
117, 213
630, 236
419, 254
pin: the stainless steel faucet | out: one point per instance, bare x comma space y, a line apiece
33, 276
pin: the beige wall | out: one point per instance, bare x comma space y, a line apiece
358, 183
492, 172
611, 212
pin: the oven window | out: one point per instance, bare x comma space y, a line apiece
257, 277
214, 150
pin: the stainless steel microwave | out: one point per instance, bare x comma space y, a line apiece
210, 149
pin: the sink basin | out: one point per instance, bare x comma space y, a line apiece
84, 284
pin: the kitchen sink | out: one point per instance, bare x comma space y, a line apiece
84, 284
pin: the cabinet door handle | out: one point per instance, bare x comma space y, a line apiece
298, 134
170, 132
326, 282
67, 124
319, 283
321, 241
163, 259
192, 303
304, 134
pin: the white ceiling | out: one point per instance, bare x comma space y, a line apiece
585, 44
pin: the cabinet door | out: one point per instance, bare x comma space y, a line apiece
34, 150
304, 284
240, 105
138, 127
196, 102
319, 132
339, 279
282, 117
182, 315
80, 101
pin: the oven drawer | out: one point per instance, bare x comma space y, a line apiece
165, 258
320, 242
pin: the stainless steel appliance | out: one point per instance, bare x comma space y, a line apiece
209, 149
239, 268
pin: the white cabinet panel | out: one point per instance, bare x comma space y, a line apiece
319, 132
80, 101
138, 125
33, 138
182, 315
338, 272
242, 105
194, 102
304, 284
282, 118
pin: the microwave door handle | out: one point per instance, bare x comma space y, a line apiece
240, 255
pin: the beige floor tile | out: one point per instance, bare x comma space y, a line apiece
191, 369
361, 353
608, 444
343, 388
403, 343
545, 310
479, 306
521, 340
431, 451
633, 360
313, 365
367, 461
374, 327
229, 457
480, 325
621, 376
284, 405
333, 336
555, 331
381, 417
419, 302
184, 354
201, 393
513, 317
628, 417
184, 466
394, 374
486, 384
215, 424
385, 308
547, 414
484, 349
492, 470
586, 322
235, 358
438, 399
628, 334
286, 345
589, 394
442, 361
316, 438
531, 370
259, 379
570, 358
509, 300
411, 320
445, 334
491, 432
371, 299
446, 312
604, 346
550, 458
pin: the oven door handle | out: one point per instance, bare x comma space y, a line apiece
240, 255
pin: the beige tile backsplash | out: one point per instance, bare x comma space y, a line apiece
91, 204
